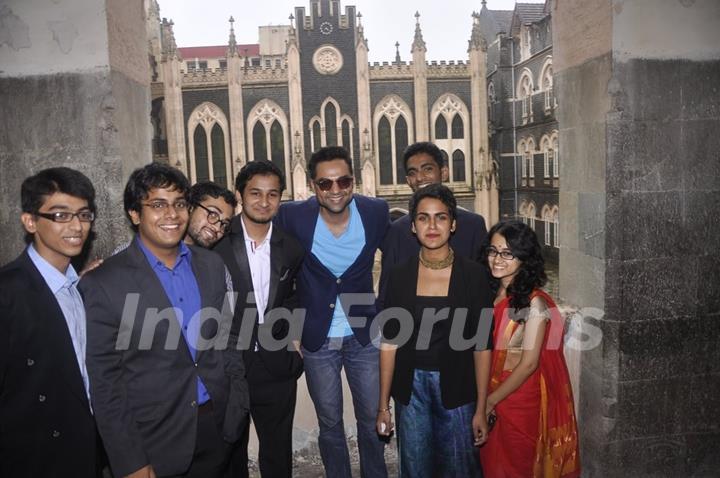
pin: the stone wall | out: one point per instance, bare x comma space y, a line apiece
73, 92
639, 117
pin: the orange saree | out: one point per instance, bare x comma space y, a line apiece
535, 434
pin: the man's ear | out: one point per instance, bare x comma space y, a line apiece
238, 197
134, 217
444, 174
28, 222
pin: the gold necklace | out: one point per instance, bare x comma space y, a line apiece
441, 264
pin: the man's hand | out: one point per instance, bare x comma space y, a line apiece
383, 423
144, 472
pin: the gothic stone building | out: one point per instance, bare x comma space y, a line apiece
521, 116
309, 84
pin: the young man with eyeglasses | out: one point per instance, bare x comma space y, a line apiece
263, 261
46, 422
340, 232
168, 400
211, 209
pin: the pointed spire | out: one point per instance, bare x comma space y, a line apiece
169, 47
484, 3
292, 37
360, 30
418, 42
477, 40
232, 42
397, 52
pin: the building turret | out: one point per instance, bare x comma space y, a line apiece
420, 83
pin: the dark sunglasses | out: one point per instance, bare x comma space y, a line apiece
326, 184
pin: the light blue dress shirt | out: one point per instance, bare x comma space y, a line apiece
64, 288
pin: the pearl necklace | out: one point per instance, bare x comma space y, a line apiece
441, 264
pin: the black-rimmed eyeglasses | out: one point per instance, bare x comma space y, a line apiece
214, 218
507, 255
67, 216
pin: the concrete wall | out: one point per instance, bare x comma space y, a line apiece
639, 117
74, 91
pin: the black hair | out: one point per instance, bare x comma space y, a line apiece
35, 189
329, 153
149, 177
253, 168
434, 191
200, 191
524, 245
425, 147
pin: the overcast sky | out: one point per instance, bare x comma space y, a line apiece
446, 24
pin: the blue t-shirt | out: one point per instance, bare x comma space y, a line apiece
338, 254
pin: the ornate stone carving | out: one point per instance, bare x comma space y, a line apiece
448, 104
327, 60
391, 108
208, 114
266, 112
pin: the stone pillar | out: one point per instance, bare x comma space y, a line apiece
74, 91
297, 136
173, 104
639, 120
422, 132
486, 193
235, 98
367, 174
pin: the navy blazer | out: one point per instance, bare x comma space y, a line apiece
46, 427
317, 287
400, 243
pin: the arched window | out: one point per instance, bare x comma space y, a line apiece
209, 145
458, 128
259, 143
269, 141
392, 128
458, 165
441, 128
316, 135
556, 226
401, 142
202, 168
524, 93
531, 215
218, 155
449, 109
491, 93
522, 211
523, 159
331, 124
277, 146
547, 156
347, 138
530, 159
385, 147
546, 83
346, 134
546, 217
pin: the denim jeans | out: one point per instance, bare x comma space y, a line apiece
322, 373
432, 440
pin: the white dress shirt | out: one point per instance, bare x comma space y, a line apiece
258, 254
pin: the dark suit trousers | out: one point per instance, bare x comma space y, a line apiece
272, 408
211, 453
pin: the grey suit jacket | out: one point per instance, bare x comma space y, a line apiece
143, 378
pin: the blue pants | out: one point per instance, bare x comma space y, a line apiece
322, 373
433, 441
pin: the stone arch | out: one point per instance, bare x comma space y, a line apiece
391, 107
450, 106
266, 112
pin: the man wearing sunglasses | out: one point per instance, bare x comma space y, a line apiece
167, 398
211, 209
45, 415
340, 232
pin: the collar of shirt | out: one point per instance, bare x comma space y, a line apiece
249, 242
184, 253
55, 279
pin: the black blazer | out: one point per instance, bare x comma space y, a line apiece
46, 428
286, 255
400, 243
145, 393
469, 289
